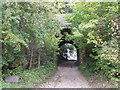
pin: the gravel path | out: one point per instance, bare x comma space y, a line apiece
67, 76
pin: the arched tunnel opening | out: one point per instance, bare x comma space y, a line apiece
68, 51
68, 54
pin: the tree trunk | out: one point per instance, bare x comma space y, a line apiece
31, 59
78, 57
82, 55
39, 59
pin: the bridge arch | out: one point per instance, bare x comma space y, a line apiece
64, 32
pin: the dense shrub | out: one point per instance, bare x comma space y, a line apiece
96, 34
108, 62
28, 35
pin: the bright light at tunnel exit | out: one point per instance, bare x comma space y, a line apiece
71, 52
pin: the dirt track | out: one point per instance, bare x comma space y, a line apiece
67, 76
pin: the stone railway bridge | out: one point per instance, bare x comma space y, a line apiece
67, 30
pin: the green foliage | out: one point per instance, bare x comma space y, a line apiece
96, 34
108, 62
33, 77
28, 35
88, 68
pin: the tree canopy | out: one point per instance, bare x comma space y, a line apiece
31, 35
96, 32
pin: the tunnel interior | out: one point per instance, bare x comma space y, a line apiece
68, 50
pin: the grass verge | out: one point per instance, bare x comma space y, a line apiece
96, 80
33, 77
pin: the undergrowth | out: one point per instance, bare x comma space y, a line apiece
87, 68
33, 77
